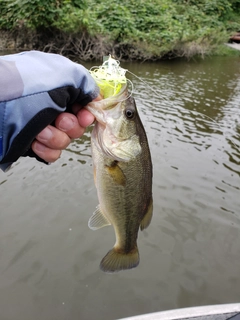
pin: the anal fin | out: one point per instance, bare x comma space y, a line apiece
98, 220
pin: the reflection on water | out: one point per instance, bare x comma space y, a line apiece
190, 254
81, 147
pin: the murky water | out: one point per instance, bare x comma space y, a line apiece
190, 254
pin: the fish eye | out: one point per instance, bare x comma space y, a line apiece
129, 113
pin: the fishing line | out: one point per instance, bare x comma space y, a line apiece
112, 81
189, 111
146, 84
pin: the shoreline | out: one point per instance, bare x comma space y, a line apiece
25, 40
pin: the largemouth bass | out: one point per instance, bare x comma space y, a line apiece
123, 178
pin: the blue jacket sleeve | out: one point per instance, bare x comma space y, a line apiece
35, 87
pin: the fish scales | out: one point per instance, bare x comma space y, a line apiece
123, 178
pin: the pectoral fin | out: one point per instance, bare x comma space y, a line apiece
148, 217
116, 173
98, 220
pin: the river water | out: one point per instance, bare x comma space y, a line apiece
190, 254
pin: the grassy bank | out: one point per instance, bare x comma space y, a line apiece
132, 30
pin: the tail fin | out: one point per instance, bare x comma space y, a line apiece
116, 260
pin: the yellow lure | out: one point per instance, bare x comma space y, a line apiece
110, 77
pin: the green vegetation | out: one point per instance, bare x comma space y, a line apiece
130, 29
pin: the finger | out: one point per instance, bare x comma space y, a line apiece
45, 153
53, 138
69, 124
85, 118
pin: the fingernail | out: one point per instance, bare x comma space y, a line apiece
66, 124
45, 135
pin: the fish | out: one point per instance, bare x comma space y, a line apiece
122, 168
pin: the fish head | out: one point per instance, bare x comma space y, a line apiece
116, 130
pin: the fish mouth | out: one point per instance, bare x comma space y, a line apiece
103, 111
101, 108
96, 109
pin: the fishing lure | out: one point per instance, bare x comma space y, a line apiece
110, 77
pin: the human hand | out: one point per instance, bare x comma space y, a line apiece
38, 88
52, 140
